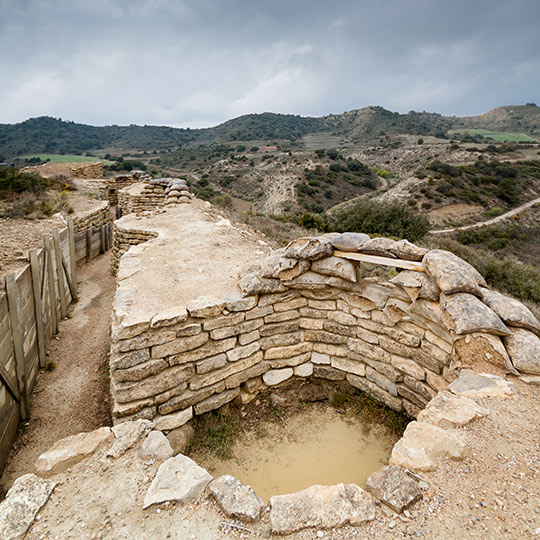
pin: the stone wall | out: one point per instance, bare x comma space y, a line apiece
306, 312
121, 181
123, 239
92, 218
91, 169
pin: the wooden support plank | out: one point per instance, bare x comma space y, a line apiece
13, 303
384, 261
88, 244
10, 383
106, 231
60, 273
50, 278
72, 259
72, 286
110, 225
38, 307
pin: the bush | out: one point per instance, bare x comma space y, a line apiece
389, 219
494, 212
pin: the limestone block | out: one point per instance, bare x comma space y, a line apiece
251, 284
324, 337
69, 451
394, 487
178, 479
274, 298
190, 397
247, 326
205, 307
211, 363
473, 385
173, 420
422, 444
304, 370
180, 345
375, 391
242, 376
279, 340
342, 318
226, 320
237, 500
287, 351
349, 366
245, 339
155, 448
311, 324
323, 507
359, 346
140, 371
309, 248
329, 305
358, 302
216, 401
129, 359
380, 380
242, 352
408, 366
524, 349
289, 305
127, 435
332, 350
378, 246
279, 328
282, 316
313, 281
22, 503
349, 241
339, 329
169, 317
447, 410
403, 249
325, 372
276, 376
452, 274
237, 302
387, 370
320, 358
258, 312
313, 313
512, 312
335, 266
472, 315
210, 348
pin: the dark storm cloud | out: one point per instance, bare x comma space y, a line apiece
199, 62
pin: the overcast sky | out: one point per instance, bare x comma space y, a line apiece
200, 62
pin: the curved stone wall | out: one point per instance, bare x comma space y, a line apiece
305, 311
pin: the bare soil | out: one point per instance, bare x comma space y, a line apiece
72, 395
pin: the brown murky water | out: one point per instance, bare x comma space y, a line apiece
318, 446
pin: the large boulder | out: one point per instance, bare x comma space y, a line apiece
512, 312
23, 501
378, 246
471, 315
309, 248
322, 507
452, 274
417, 285
524, 350
403, 249
69, 451
178, 479
237, 500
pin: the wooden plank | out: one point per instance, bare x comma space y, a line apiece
72, 259
71, 284
88, 244
38, 307
60, 273
384, 261
50, 278
10, 383
101, 240
13, 303
9, 415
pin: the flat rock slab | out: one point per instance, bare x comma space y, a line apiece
394, 487
237, 500
473, 385
378, 246
127, 434
452, 274
447, 410
471, 315
23, 501
523, 348
511, 311
422, 444
178, 479
349, 241
334, 266
403, 249
322, 507
69, 451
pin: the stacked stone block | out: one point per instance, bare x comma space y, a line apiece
94, 218
123, 239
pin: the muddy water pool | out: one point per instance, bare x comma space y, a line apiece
316, 446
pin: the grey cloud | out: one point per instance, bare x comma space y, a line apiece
201, 62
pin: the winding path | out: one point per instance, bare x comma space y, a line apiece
479, 224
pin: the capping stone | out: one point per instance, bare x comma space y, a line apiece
334, 266
349, 241
205, 307
308, 248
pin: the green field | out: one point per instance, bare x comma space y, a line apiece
501, 136
57, 158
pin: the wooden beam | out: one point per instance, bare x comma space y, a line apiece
51, 287
102, 239
384, 261
60, 273
72, 259
15, 318
88, 244
38, 308
72, 286
10, 383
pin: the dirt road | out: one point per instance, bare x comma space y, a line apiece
72, 394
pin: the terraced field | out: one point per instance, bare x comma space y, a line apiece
501, 136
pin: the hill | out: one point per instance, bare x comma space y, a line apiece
56, 136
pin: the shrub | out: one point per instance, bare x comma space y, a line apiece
390, 219
494, 212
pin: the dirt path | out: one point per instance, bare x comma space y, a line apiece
506, 215
72, 396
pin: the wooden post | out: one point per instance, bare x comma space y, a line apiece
50, 277
38, 308
72, 259
88, 244
15, 318
107, 237
102, 239
60, 273
110, 231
